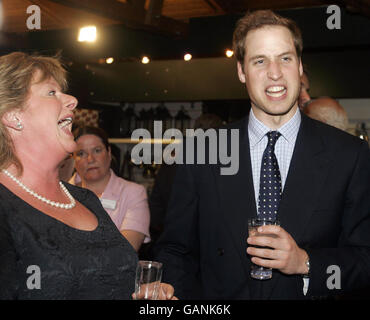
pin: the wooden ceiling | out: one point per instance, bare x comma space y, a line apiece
164, 16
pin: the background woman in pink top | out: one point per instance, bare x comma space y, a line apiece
125, 201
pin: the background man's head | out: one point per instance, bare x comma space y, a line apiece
304, 97
329, 111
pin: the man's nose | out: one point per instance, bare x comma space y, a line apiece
274, 71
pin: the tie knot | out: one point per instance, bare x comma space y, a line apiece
273, 136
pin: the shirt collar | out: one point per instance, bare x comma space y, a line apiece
257, 130
111, 189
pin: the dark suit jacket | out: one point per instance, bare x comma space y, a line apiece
325, 207
158, 203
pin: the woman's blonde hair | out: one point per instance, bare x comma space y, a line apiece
17, 71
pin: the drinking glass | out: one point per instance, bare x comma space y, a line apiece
259, 272
148, 280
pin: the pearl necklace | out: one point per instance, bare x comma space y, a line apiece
43, 199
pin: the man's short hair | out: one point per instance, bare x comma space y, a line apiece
258, 19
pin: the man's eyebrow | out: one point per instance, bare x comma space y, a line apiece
286, 53
259, 56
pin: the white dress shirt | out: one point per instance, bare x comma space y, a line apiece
284, 148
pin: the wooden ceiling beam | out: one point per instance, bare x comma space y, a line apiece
217, 6
133, 15
154, 11
233, 6
137, 3
241, 6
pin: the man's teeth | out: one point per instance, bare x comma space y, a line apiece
276, 91
65, 122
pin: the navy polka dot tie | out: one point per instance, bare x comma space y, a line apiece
270, 180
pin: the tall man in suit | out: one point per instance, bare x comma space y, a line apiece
323, 175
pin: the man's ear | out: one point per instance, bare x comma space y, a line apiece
300, 68
11, 119
241, 73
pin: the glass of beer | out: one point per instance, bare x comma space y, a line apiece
259, 272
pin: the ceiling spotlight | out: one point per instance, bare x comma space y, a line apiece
87, 34
187, 57
145, 60
109, 60
229, 53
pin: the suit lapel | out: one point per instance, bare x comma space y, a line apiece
305, 178
306, 174
237, 200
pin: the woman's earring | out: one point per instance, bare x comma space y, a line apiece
19, 125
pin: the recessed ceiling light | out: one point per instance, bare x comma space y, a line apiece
187, 57
87, 34
229, 53
145, 60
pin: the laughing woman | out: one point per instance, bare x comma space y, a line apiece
56, 240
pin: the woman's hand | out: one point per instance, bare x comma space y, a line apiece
166, 292
147, 291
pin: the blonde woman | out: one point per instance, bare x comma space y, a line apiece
57, 232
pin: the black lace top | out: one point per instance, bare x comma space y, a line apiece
37, 250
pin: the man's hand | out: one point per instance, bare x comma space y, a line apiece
286, 256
